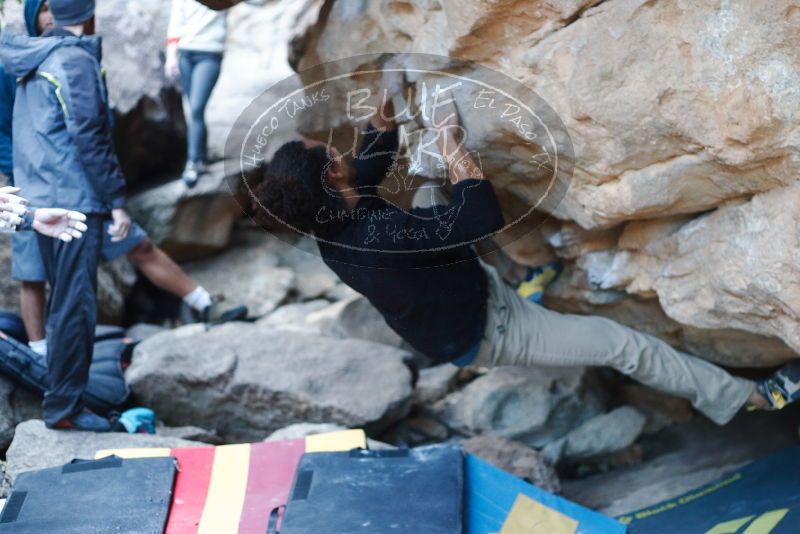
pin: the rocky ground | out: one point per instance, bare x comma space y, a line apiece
680, 220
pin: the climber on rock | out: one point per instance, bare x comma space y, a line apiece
419, 269
150, 260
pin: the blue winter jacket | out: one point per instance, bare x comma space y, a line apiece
63, 152
8, 88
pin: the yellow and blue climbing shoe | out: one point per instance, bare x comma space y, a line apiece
537, 279
782, 387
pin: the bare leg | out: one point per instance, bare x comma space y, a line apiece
161, 269
32, 304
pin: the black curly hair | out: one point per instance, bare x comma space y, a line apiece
292, 189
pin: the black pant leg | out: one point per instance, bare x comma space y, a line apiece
71, 318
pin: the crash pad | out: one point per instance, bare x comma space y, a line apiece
403, 490
494, 504
92, 497
763, 497
233, 488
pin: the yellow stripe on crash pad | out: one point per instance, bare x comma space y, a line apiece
343, 440
226, 491
133, 453
528, 517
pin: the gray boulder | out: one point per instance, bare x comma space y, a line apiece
37, 447
516, 458
434, 383
293, 316
357, 318
247, 381
604, 434
314, 278
142, 331
244, 275
301, 430
662, 410
192, 433
189, 223
534, 406
115, 281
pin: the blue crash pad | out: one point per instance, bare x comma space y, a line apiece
762, 497
491, 493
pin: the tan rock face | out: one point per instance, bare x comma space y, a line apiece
674, 108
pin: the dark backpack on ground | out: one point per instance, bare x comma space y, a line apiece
107, 389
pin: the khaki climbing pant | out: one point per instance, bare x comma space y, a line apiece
519, 332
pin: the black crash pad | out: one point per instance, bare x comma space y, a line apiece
92, 497
400, 491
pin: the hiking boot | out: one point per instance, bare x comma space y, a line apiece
191, 173
536, 280
783, 387
87, 421
213, 314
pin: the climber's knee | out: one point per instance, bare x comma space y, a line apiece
142, 252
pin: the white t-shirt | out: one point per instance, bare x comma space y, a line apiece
197, 27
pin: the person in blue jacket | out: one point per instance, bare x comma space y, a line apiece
63, 155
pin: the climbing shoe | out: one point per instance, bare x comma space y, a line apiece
213, 314
782, 387
87, 421
536, 280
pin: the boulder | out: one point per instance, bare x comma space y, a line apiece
293, 316
142, 331
314, 278
188, 223
244, 275
191, 433
530, 405
516, 458
434, 383
247, 381
37, 447
301, 430
745, 280
355, 318
685, 149
660, 409
601, 435
115, 280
